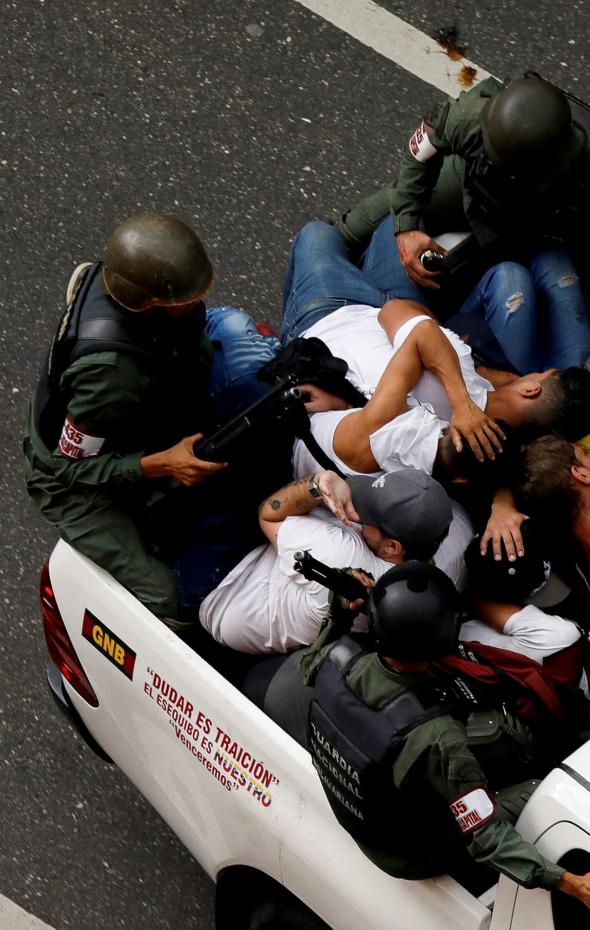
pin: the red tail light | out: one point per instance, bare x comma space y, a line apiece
59, 643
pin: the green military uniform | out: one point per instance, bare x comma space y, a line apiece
447, 182
435, 756
95, 501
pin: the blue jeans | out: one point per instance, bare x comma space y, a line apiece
321, 278
536, 313
239, 350
528, 318
223, 509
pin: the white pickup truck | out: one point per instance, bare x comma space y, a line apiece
244, 797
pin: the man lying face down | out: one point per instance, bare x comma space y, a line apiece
264, 605
365, 314
428, 381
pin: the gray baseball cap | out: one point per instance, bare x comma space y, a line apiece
406, 504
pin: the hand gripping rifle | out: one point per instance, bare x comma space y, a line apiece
335, 579
283, 402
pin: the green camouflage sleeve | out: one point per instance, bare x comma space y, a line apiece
105, 394
451, 770
420, 167
337, 623
452, 127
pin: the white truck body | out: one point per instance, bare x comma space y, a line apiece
237, 790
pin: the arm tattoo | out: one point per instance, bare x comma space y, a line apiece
299, 503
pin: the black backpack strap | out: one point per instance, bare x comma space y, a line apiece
302, 430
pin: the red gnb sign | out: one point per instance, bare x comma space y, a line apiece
113, 648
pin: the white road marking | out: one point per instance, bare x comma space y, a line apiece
389, 35
13, 917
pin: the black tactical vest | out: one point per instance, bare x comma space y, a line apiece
353, 748
170, 352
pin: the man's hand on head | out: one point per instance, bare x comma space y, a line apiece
483, 434
504, 527
337, 497
302, 496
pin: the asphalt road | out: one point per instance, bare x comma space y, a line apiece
247, 119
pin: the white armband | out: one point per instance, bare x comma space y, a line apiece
420, 146
75, 444
474, 808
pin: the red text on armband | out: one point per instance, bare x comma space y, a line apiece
74, 443
420, 146
474, 808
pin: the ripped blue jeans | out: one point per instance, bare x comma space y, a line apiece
528, 316
537, 313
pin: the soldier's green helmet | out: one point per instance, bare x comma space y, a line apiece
527, 127
154, 259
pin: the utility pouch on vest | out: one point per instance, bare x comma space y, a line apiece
510, 801
503, 745
484, 726
487, 726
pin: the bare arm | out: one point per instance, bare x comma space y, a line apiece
395, 313
296, 499
426, 347
439, 357
352, 438
496, 376
494, 614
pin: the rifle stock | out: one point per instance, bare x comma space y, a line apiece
284, 400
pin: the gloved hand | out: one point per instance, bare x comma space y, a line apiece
343, 611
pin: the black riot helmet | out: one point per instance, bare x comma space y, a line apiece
154, 259
414, 613
527, 127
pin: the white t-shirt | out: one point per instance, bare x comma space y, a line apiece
529, 631
264, 605
411, 439
355, 334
